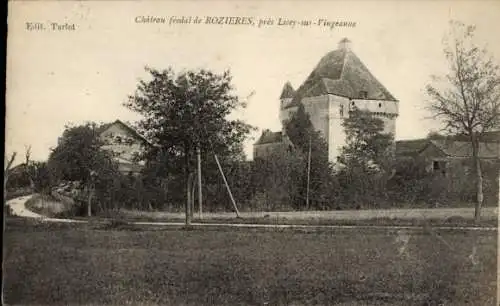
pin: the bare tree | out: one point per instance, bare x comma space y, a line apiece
467, 99
6, 173
29, 170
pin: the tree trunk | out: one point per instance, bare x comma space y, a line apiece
200, 196
192, 183
479, 178
188, 189
89, 202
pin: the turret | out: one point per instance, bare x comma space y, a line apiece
286, 98
286, 95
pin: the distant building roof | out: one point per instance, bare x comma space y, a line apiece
491, 136
130, 129
464, 149
269, 137
449, 147
341, 72
410, 147
20, 168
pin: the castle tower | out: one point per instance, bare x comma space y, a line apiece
339, 82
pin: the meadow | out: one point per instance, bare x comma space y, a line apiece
95, 263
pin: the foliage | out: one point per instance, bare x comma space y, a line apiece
79, 157
187, 111
79, 153
279, 181
34, 175
18, 178
366, 159
413, 184
367, 146
40, 175
306, 139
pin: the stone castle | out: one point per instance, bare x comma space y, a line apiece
339, 82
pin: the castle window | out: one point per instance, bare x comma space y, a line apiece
341, 110
380, 105
363, 94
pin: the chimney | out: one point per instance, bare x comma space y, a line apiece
345, 44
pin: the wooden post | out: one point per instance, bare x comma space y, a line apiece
227, 186
89, 202
200, 196
193, 188
188, 200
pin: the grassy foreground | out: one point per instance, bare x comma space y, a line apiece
91, 264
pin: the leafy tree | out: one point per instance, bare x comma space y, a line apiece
78, 153
366, 159
185, 111
279, 180
467, 99
367, 146
306, 139
79, 157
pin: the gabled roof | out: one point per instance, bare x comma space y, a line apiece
131, 130
20, 168
464, 149
341, 72
269, 137
410, 147
489, 136
448, 147
287, 91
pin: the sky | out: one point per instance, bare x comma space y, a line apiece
56, 77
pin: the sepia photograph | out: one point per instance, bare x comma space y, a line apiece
252, 153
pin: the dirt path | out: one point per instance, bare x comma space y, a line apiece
19, 208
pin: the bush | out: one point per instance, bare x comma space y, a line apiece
7, 210
49, 205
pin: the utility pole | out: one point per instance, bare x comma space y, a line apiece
91, 189
308, 172
189, 200
227, 186
200, 197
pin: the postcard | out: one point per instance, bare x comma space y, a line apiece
252, 153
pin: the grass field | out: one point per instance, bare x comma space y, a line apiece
389, 217
93, 264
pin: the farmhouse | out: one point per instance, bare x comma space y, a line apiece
339, 82
445, 155
125, 143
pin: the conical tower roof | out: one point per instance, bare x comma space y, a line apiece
287, 91
341, 72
